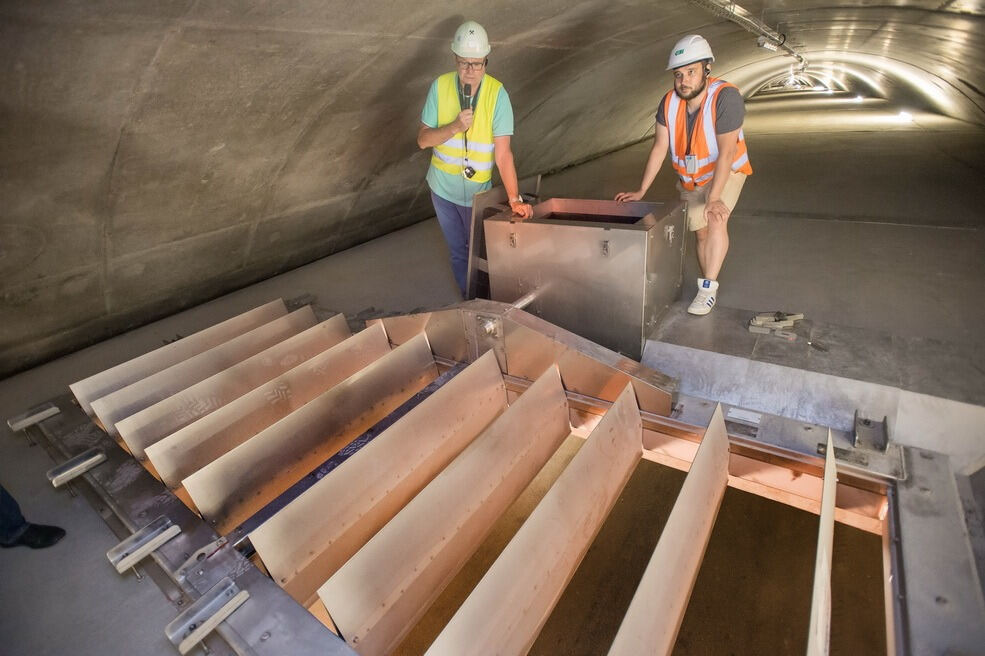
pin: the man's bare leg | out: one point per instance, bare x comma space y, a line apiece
712, 245
701, 236
715, 247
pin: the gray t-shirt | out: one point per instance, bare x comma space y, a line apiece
730, 110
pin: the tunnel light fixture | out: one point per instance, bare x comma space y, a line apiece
905, 117
858, 99
768, 44
767, 37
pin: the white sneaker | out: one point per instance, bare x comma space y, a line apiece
705, 300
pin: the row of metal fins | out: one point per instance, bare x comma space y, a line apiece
232, 416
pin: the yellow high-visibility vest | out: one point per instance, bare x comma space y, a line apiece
451, 155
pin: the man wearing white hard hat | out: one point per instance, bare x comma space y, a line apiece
468, 121
700, 122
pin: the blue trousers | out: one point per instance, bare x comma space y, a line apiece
12, 522
455, 221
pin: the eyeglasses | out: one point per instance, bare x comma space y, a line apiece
471, 65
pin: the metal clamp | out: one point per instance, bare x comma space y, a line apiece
33, 416
203, 616
142, 543
196, 559
75, 467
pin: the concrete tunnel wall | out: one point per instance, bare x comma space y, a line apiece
155, 155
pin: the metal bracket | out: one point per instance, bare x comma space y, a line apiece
203, 616
75, 467
852, 457
742, 422
871, 435
486, 333
196, 559
488, 326
33, 416
142, 543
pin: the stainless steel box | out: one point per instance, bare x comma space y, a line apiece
601, 269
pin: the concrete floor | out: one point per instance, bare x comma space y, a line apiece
863, 250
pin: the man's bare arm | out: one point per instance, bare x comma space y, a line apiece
507, 173
715, 209
428, 137
661, 142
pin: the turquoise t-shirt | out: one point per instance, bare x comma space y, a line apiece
457, 188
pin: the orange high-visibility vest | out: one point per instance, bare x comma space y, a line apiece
704, 144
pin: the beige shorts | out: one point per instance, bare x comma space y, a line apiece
696, 199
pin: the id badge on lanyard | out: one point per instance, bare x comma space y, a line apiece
691, 164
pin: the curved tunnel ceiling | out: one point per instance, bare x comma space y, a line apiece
156, 155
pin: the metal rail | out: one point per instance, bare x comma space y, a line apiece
744, 19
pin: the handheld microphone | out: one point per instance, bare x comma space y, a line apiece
468, 171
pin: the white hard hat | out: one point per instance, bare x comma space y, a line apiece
688, 50
470, 40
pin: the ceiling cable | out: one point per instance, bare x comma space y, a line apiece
768, 37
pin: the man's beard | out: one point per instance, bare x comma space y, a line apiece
694, 92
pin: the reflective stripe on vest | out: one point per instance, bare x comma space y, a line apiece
459, 162
450, 156
704, 140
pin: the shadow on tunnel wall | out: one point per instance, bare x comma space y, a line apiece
95, 239
382, 182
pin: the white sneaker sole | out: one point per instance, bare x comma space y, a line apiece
700, 309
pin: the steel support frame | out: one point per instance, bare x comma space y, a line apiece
911, 479
269, 623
